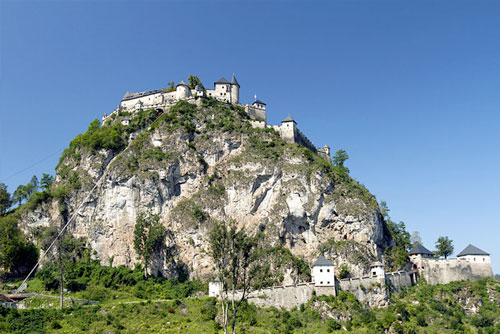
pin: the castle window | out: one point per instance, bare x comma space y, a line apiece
374, 274
321, 282
321, 270
328, 270
328, 282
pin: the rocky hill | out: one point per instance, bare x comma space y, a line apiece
201, 162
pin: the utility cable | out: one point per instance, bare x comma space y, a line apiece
24, 284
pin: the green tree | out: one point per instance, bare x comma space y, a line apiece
20, 194
444, 247
5, 200
46, 181
416, 239
149, 237
235, 255
193, 80
397, 253
17, 256
34, 183
339, 159
171, 87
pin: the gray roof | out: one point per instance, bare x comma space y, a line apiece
222, 81
131, 96
182, 83
419, 249
234, 81
322, 261
259, 101
472, 250
198, 88
288, 119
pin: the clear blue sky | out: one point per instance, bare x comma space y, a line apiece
410, 89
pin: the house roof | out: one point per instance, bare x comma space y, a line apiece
419, 249
322, 261
234, 81
288, 119
472, 250
198, 88
259, 101
182, 83
222, 81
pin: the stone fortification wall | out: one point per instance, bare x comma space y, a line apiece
438, 271
370, 290
398, 281
288, 296
301, 139
256, 113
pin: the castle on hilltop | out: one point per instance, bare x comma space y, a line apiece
224, 91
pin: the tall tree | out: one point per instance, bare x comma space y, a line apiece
416, 239
444, 247
34, 183
149, 237
193, 80
235, 255
16, 254
19, 194
171, 87
339, 159
46, 181
396, 254
5, 200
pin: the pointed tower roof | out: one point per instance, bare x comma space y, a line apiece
258, 102
419, 249
472, 250
322, 261
234, 81
222, 81
182, 83
288, 119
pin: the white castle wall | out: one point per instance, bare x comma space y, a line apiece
439, 271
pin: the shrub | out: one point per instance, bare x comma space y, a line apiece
332, 325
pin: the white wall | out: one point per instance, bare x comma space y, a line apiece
323, 276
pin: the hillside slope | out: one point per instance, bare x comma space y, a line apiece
199, 163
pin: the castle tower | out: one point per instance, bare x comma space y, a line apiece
377, 270
235, 91
288, 129
182, 91
322, 272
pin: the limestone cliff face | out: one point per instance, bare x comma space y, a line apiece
198, 164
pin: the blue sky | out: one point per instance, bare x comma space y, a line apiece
409, 89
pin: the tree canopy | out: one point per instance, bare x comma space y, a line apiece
235, 255
193, 80
339, 159
16, 254
397, 253
149, 236
5, 200
444, 247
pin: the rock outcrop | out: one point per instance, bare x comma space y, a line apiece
193, 165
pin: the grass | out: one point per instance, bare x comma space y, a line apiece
422, 309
